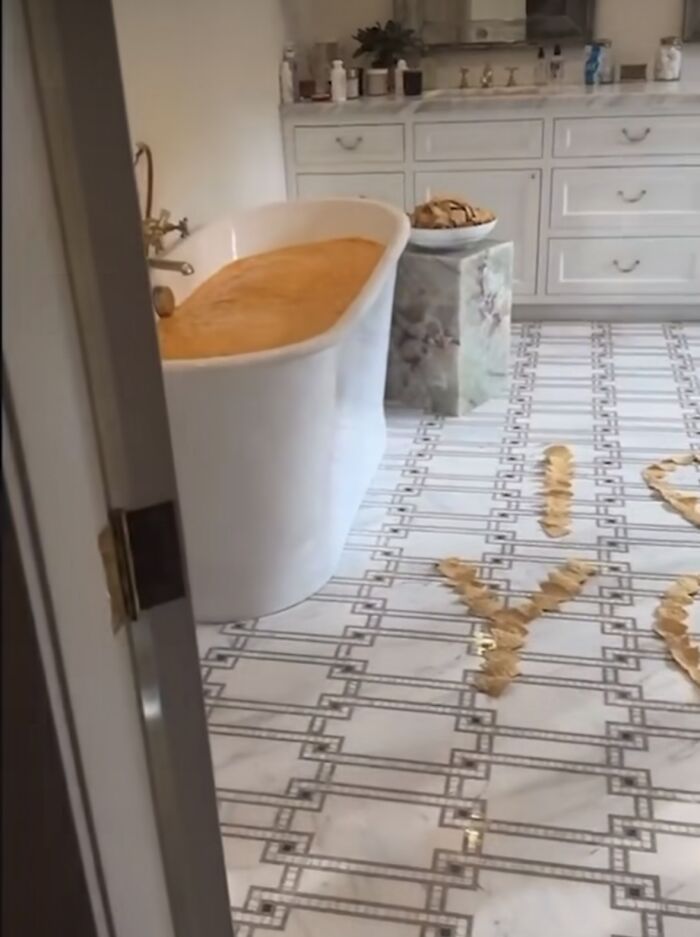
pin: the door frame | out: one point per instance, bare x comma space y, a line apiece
77, 96
35, 751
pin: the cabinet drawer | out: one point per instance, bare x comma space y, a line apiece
381, 186
349, 144
627, 136
499, 139
513, 194
598, 266
643, 199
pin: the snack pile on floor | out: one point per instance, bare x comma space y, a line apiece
672, 624
687, 503
558, 491
508, 627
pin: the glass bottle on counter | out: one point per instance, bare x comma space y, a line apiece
592, 65
353, 80
286, 82
669, 59
399, 72
556, 67
607, 66
339, 82
541, 71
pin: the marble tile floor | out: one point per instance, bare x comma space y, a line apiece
367, 790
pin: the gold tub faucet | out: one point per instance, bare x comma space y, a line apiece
155, 229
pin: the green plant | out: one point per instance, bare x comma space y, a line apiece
387, 44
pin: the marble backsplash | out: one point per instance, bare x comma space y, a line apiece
442, 70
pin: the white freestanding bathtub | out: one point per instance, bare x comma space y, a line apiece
274, 450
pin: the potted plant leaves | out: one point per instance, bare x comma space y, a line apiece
386, 45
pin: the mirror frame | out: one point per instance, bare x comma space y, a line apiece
691, 21
410, 12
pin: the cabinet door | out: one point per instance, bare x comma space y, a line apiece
349, 144
626, 136
647, 200
380, 186
513, 194
644, 266
479, 139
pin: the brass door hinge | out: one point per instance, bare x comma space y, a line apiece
120, 585
142, 560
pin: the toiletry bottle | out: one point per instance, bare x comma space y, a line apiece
286, 82
607, 65
399, 72
541, 73
353, 84
556, 66
339, 82
290, 56
592, 70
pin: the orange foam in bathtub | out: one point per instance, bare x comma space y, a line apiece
269, 300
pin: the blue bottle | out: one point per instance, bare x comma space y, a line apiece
593, 64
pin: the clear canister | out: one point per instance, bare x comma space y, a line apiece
669, 59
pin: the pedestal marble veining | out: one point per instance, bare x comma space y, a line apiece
450, 334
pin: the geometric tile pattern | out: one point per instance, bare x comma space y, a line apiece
366, 789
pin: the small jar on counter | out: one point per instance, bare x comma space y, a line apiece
353, 84
669, 59
413, 82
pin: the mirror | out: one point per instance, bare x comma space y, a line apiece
691, 25
486, 23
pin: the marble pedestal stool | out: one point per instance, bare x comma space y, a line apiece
450, 334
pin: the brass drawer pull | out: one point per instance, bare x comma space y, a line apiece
633, 199
642, 136
626, 269
341, 141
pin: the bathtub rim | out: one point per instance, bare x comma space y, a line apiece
332, 336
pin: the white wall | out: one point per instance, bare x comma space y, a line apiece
201, 85
634, 26
332, 20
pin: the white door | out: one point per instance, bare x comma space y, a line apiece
86, 439
513, 194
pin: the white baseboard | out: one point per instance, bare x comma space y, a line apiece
606, 313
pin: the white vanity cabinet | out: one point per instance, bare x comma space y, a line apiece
599, 191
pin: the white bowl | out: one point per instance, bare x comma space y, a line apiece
450, 238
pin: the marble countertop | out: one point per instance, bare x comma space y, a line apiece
683, 95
